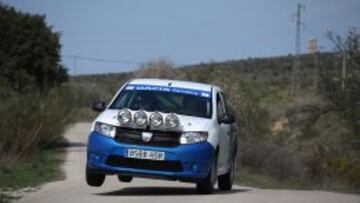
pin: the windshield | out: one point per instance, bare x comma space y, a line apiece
168, 100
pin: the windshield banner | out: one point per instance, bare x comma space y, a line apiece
178, 90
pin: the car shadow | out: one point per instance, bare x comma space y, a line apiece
163, 191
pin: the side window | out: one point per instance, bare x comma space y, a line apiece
225, 106
219, 107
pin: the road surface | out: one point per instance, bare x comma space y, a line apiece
74, 188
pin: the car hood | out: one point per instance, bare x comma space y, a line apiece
187, 123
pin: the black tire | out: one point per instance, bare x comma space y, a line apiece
206, 186
125, 179
226, 181
94, 179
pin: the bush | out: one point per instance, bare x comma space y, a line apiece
32, 120
160, 68
270, 159
243, 100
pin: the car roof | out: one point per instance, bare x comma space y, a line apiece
173, 83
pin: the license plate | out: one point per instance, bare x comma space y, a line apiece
145, 154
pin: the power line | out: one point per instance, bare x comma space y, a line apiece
102, 60
75, 58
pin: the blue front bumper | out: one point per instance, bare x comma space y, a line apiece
195, 159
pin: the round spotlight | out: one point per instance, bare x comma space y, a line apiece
155, 119
124, 116
140, 118
172, 120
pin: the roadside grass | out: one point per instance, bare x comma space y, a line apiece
245, 177
42, 167
251, 179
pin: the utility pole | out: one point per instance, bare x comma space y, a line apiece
313, 49
317, 72
343, 80
296, 61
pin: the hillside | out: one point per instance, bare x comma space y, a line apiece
294, 141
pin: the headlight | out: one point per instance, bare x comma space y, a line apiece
140, 118
156, 119
105, 129
172, 121
193, 137
124, 116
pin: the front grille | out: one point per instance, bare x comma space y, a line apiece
159, 139
120, 161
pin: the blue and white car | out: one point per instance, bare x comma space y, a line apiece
169, 129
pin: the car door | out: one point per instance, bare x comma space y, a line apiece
224, 134
229, 131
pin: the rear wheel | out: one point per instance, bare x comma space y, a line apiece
206, 186
93, 178
226, 181
125, 179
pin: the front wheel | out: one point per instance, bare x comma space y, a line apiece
94, 179
206, 186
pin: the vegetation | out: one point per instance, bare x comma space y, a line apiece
29, 52
32, 121
310, 140
36, 104
33, 171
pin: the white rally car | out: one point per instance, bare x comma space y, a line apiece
176, 130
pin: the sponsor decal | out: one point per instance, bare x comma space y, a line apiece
179, 90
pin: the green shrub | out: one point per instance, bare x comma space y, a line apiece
33, 120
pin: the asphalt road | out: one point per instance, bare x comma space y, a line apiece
74, 188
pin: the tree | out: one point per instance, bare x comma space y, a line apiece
29, 52
342, 86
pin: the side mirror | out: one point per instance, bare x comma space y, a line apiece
228, 119
98, 106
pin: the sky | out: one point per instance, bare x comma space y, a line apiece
126, 33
